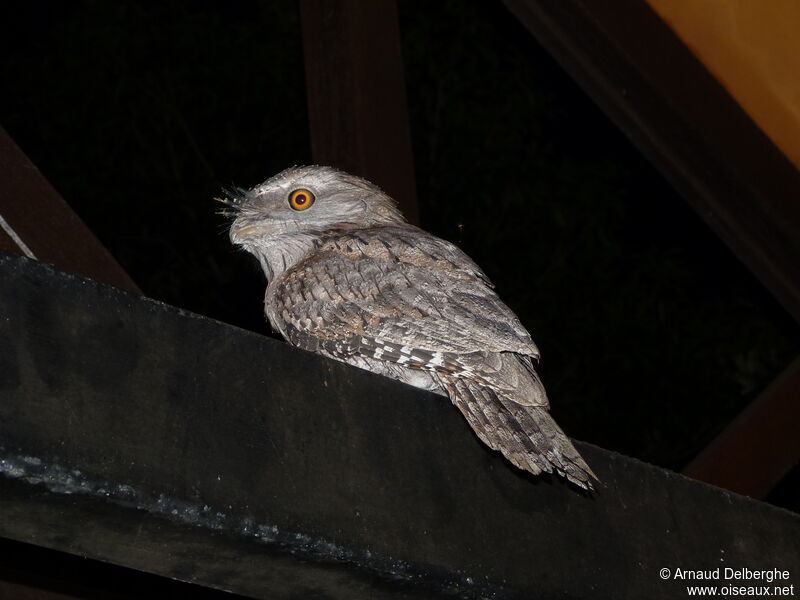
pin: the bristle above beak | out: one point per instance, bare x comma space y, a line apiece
233, 199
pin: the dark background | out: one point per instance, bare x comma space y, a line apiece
653, 334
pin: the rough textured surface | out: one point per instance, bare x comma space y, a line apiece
351, 481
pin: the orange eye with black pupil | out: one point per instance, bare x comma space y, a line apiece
301, 199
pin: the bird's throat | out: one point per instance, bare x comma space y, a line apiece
281, 252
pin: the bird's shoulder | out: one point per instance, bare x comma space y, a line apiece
399, 284
403, 245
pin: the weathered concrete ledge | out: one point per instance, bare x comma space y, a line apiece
139, 434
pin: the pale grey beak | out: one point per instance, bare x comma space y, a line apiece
245, 229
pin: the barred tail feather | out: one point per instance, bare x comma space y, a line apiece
526, 435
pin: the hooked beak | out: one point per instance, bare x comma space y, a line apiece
245, 229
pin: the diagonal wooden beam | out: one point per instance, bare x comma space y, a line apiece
36, 222
357, 108
651, 85
760, 446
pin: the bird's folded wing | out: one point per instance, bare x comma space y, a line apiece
408, 298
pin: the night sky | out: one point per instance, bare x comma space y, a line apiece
653, 335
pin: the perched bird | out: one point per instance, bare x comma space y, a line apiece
350, 279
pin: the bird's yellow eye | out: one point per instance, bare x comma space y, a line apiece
301, 199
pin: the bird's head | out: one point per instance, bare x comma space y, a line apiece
305, 200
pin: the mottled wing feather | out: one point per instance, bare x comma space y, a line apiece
402, 297
384, 287
526, 435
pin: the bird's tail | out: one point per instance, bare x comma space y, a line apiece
526, 435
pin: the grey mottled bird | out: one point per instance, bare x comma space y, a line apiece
350, 279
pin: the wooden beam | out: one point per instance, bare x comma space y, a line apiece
660, 95
357, 107
647, 81
760, 446
36, 222
178, 445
